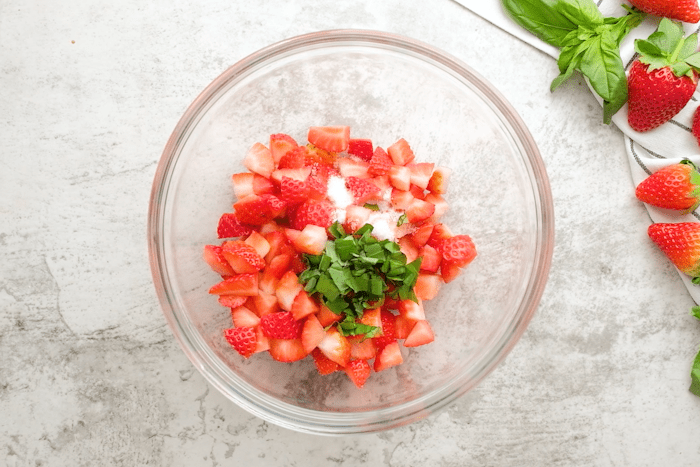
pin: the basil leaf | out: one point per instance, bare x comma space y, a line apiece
695, 376
603, 67
580, 12
541, 18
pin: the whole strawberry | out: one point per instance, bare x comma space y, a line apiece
664, 77
696, 125
681, 244
681, 10
676, 187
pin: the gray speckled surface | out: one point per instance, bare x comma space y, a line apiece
90, 374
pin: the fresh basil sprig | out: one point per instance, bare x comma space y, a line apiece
589, 43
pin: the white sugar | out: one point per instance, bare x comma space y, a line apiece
338, 194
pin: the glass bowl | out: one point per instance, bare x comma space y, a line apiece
385, 87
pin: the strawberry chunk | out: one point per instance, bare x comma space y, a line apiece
459, 250
325, 365
361, 348
362, 190
243, 317
380, 163
388, 334
358, 371
438, 181
419, 210
420, 334
353, 168
449, 271
243, 339
287, 350
280, 325
400, 152
294, 159
312, 240
400, 177
312, 333
421, 173
361, 148
427, 286
216, 260
287, 289
240, 284
303, 306
230, 227
242, 257
253, 210
431, 259
280, 144
292, 191
232, 301
412, 310
336, 347
259, 243
259, 160
320, 213
389, 356
330, 138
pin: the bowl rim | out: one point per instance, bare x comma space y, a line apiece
338, 423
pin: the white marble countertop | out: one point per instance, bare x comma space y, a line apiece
91, 375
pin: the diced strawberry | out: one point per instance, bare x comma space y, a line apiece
303, 306
358, 371
401, 199
353, 168
335, 346
421, 173
362, 190
259, 160
412, 310
242, 339
253, 210
440, 204
330, 138
268, 227
257, 241
361, 148
388, 334
248, 183
327, 317
408, 248
240, 284
293, 191
449, 271
421, 334
355, 217
242, 257
317, 156
263, 344
324, 365
419, 210
278, 244
265, 303
403, 326
400, 177
280, 144
439, 180
382, 182
243, 317
440, 232
388, 356
295, 174
318, 187
312, 240
312, 333
232, 301
276, 206
380, 163
293, 159
427, 286
287, 350
400, 152
361, 348
298, 264
431, 259
371, 317
458, 249
417, 191
216, 260
422, 233
230, 227
274, 271
313, 212
287, 289
280, 325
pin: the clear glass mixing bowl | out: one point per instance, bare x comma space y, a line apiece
385, 87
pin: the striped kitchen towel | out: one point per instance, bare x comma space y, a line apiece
647, 152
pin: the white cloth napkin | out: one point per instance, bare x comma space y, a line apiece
647, 152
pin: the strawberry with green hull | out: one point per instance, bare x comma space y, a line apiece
675, 187
681, 10
664, 77
680, 242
